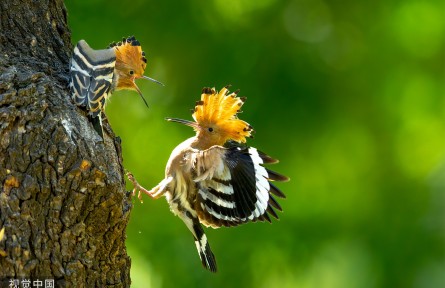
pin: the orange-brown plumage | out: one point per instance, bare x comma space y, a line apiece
218, 110
130, 63
215, 182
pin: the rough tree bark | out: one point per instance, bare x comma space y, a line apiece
63, 202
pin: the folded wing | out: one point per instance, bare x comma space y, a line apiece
91, 76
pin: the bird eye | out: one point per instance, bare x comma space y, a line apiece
131, 72
210, 129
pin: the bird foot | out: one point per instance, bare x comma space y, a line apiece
137, 187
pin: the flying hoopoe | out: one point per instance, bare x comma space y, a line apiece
212, 178
96, 74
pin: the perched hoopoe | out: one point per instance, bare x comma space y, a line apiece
95, 74
214, 179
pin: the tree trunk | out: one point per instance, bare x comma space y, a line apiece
63, 202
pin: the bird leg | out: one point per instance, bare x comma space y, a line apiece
137, 187
161, 188
154, 193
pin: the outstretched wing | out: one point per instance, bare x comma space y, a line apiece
91, 76
234, 187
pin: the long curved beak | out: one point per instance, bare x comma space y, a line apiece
185, 122
140, 93
151, 79
139, 90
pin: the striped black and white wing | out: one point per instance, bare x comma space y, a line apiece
234, 187
91, 76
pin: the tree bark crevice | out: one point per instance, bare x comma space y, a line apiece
63, 202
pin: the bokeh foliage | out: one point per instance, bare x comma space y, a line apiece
348, 95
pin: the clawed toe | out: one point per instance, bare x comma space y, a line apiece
137, 187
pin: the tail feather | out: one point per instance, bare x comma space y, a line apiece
96, 121
205, 253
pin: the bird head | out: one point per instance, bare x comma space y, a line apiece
130, 64
216, 120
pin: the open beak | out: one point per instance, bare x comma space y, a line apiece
185, 122
151, 79
139, 90
140, 93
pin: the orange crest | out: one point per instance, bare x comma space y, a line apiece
220, 110
129, 56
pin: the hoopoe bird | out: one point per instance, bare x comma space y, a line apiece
96, 74
213, 178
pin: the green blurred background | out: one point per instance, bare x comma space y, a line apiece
348, 95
